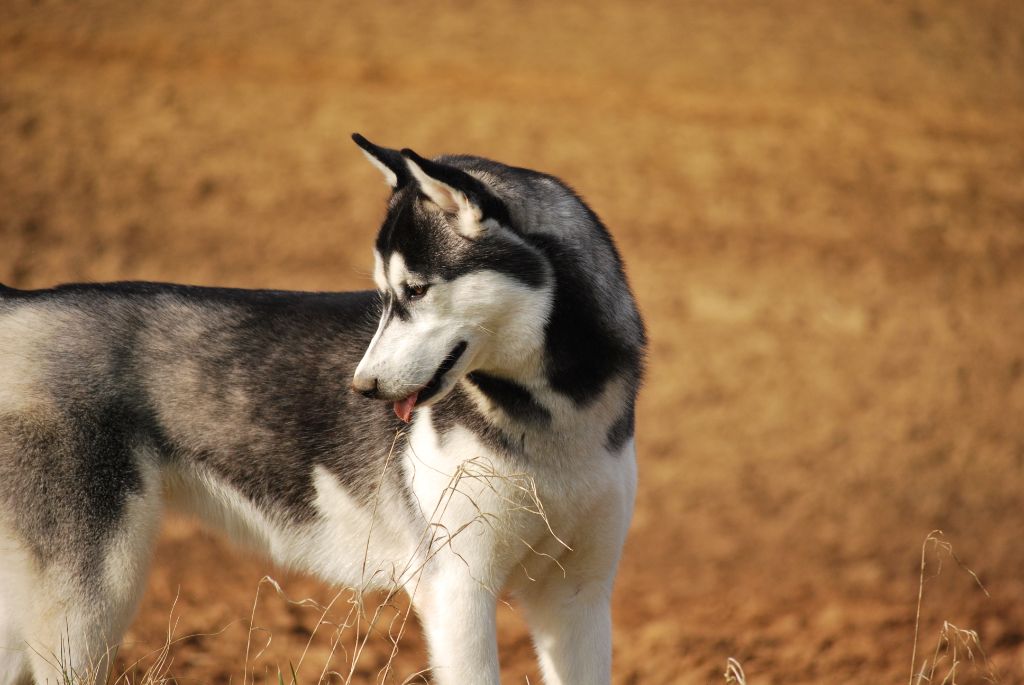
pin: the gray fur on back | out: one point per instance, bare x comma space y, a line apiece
251, 385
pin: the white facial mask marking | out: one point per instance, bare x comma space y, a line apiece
378, 272
398, 275
501, 320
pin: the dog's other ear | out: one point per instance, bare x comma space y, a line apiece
456, 192
390, 162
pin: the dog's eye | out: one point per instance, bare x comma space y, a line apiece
415, 292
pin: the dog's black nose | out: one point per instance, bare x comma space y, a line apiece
366, 391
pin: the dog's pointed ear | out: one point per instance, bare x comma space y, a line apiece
390, 162
456, 192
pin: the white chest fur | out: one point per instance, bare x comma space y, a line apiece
510, 519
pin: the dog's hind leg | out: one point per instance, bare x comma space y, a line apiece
14, 578
48, 621
80, 491
78, 621
79, 612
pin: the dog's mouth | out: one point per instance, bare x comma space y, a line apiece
404, 406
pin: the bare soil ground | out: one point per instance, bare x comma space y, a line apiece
821, 206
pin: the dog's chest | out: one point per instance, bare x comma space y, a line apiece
484, 502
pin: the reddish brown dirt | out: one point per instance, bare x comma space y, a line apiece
821, 206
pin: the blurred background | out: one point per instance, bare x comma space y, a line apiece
821, 208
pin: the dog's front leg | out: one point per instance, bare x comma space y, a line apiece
569, 607
458, 614
572, 631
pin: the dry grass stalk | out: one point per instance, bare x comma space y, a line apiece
953, 644
734, 674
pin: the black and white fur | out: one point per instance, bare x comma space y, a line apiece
503, 327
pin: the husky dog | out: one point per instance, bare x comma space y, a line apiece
485, 445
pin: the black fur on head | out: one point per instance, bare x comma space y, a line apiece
431, 247
490, 206
390, 162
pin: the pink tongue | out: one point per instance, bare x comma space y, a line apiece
403, 408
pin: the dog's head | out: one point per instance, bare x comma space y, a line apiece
461, 288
